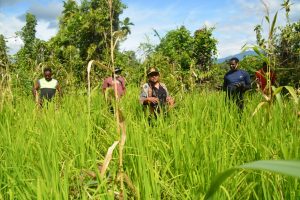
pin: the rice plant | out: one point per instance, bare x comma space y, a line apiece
50, 154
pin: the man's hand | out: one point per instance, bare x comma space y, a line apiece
170, 101
240, 85
152, 100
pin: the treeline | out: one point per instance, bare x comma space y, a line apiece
186, 59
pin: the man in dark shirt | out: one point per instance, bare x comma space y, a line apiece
154, 93
236, 82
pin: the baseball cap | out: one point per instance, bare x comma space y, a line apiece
152, 71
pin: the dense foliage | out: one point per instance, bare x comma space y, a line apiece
4, 60
56, 152
182, 57
288, 51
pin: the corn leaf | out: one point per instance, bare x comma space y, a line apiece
276, 93
285, 167
258, 107
277, 90
293, 93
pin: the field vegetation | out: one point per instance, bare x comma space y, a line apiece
51, 154
75, 148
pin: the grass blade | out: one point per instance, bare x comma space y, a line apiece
217, 182
273, 25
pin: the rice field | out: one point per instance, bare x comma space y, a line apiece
56, 152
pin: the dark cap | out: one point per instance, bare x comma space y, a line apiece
153, 71
118, 70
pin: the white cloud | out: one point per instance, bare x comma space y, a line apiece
44, 32
145, 21
233, 37
232, 31
46, 12
9, 25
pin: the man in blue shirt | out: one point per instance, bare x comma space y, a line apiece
236, 82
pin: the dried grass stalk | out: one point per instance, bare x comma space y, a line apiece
108, 158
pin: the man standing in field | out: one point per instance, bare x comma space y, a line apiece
109, 85
154, 94
119, 83
265, 78
236, 82
47, 87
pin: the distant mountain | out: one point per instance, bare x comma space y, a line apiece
240, 56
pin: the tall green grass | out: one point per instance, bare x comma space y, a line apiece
51, 153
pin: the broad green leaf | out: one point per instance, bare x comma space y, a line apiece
285, 167
277, 90
258, 52
276, 93
293, 93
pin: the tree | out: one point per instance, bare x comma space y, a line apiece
3, 53
204, 47
26, 62
85, 29
177, 46
184, 56
28, 35
288, 54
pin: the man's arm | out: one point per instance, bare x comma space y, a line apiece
247, 81
144, 98
123, 85
105, 85
225, 83
169, 99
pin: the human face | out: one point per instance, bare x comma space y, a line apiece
48, 75
233, 65
118, 73
154, 77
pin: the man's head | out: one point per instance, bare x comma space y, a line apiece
234, 62
48, 74
153, 75
117, 71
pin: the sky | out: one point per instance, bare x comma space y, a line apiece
233, 20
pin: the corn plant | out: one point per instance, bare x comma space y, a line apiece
116, 36
266, 52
